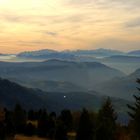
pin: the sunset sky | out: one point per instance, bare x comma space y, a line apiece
27, 25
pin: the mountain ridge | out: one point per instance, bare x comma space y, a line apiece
52, 101
84, 74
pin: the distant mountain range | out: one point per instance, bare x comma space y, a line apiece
75, 55
47, 54
134, 53
68, 76
124, 87
126, 62
77, 75
3, 54
97, 53
51, 54
83, 74
121, 59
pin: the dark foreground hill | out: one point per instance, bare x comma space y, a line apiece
12, 93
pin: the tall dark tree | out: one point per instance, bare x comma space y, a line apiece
31, 115
19, 119
135, 114
106, 122
67, 119
43, 124
52, 125
61, 130
2, 124
9, 123
85, 130
2, 131
29, 129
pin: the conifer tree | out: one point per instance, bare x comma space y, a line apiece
61, 131
67, 119
43, 124
85, 130
52, 125
106, 122
135, 114
19, 118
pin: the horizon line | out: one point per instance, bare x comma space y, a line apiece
123, 51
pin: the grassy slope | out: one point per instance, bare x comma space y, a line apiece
20, 137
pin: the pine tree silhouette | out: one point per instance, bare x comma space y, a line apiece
19, 118
135, 114
106, 124
43, 124
85, 130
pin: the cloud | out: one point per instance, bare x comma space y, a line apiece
47, 32
36, 43
11, 18
79, 2
51, 33
105, 3
117, 43
134, 23
69, 23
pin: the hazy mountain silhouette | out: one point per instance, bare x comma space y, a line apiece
98, 52
134, 53
124, 87
122, 59
127, 62
51, 54
84, 74
47, 54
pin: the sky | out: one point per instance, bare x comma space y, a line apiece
27, 25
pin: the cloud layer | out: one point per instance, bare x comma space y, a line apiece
69, 24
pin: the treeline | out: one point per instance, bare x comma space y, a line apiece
68, 125
85, 125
